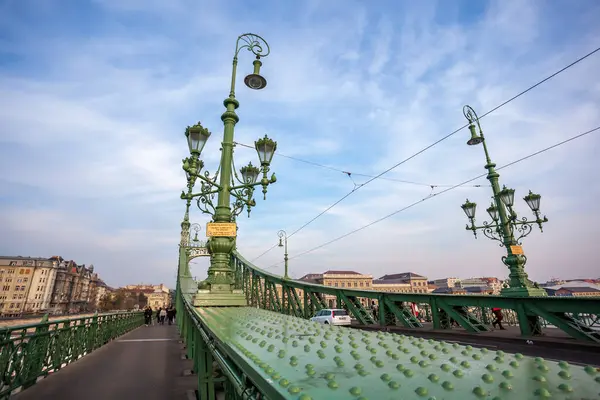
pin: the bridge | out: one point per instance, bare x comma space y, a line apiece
245, 333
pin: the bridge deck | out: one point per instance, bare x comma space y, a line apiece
143, 364
309, 362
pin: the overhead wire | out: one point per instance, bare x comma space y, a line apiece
349, 174
441, 140
437, 194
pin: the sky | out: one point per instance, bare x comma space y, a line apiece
95, 96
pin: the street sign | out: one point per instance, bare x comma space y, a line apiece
221, 229
516, 249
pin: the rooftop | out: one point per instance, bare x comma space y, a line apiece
403, 275
390, 282
333, 272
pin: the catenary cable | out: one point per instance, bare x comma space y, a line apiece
442, 139
437, 194
350, 174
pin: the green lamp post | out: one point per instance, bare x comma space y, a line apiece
283, 243
505, 226
218, 289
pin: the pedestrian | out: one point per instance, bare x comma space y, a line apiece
170, 315
499, 317
158, 315
148, 315
162, 315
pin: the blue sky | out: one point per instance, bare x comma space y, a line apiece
95, 96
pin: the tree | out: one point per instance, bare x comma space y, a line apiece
142, 300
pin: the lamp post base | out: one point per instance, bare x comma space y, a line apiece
217, 297
523, 292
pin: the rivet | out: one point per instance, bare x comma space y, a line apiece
355, 391
393, 385
476, 356
400, 367
507, 374
490, 367
542, 368
433, 378
453, 360
565, 388
284, 382
564, 374
465, 364
332, 385
294, 390
505, 386
447, 386
305, 397
421, 391
423, 364
487, 378
385, 377
329, 376
414, 360
590, 370
321, 354
306, 348
445, 367
479, 392
543, 392
408, 373
458, 373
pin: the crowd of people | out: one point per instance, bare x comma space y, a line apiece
161, 315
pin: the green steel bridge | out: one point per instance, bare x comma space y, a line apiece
247, 334
270, 350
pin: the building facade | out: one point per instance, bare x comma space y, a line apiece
415, 283
26, 284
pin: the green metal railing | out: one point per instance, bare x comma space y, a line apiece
30, 351
578, 317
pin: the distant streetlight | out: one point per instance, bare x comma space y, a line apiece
283, 243
505, 224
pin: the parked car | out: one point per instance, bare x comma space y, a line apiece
332, 316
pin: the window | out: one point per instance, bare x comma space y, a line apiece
339, 313
367, 284
355, 284
343, 284
361, 284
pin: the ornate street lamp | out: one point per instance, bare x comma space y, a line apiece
505, 226
218, 288
283, 243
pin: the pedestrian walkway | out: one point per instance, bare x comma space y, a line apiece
143, 364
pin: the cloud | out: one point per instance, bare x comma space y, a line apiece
93, 107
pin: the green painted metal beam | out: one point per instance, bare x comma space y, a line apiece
304, 360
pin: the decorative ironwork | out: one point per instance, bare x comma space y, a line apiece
254, 43
33, 350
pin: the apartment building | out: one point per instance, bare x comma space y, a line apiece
26, 284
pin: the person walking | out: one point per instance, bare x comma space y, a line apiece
162, 316
170, 314
499, 317
148, 315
